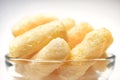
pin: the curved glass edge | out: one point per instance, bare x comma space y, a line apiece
110, 57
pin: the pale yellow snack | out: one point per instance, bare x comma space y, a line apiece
77, 33
55, 50
89, 75
101, 65
32, 41
93, 46
69, 21
96, 41
31, 22
53, 76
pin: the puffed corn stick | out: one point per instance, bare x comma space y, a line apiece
53, 76
32, 41
69, 21
77, 33
29, 23
56, 50
89, 75
101, 65
93, 46
96, 41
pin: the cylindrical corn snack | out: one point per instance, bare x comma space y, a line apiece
32, 41
89, 75
69, 21
29, 23
77, 33
93, 46
57, 49
38, 70
101, 65
53, 76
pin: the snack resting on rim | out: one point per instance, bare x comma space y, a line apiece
41, 70
59, 40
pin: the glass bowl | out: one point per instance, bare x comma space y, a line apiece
87, 69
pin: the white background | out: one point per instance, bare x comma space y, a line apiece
99, 13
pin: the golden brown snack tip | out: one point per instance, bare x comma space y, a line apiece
31, 22
101, 65
77, 33
32, 41
93, 46
38, 70
67, 21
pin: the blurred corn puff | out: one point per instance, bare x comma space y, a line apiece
101, 65
67, 21
90, 74
56, 50
77, 33
53, 76
31, 22
93, 46
32, 41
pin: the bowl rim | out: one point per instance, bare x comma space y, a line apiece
110, 57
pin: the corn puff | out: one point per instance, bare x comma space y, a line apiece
32, 41
101, 65
77, 33
69, 21
57, 49
89, 75
29, 23
93, 46
53, 76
